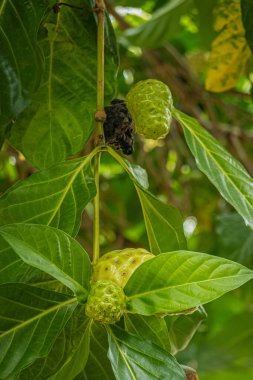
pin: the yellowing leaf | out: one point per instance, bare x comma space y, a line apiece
230, 51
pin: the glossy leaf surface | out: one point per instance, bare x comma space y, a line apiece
223, 170
68, 355
134, 358
12, 267
181, 280
31, 320
163, 222
52, 251
55, 196
151, 328
98, 365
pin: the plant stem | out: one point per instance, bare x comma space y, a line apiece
99, 118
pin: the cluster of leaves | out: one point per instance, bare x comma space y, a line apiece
48, 106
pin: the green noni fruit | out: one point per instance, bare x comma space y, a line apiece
118, 266
106, 302
150, 104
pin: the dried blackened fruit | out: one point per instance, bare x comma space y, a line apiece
118, 127
106, 302
150, 105
118, 266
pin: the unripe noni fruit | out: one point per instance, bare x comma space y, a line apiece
106, 302
150, 104
118, 266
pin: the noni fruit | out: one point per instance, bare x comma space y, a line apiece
150, 105
118, 266
106, 302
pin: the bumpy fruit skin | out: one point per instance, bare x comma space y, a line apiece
118, 266
150, 104
106, 302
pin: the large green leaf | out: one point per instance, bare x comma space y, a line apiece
163, 222
12, 268
21, 63
52, 251
222, 169
163, 25
181, 328
68, 355
59, 120
31, 319
247, 11
98, 365
181, 280
134, 358
151, 328
55, 196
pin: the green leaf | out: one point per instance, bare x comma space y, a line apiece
136, 173
235, 239
181, 280
151, 328
52, 251
134, 358
181, 328
68, 355
55, 196
247, 11
227, 175
59, 120
12, 268
163, 25
98, 366
31, 320
163, 222
21, 64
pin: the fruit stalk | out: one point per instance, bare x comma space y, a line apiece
99, 119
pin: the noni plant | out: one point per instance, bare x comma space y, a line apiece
71, 313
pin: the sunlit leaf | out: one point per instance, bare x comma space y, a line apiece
223, 170
163, 25
51, 251
181, 280
31, 319
230, 51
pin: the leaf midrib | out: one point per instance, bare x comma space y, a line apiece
38, 316
51, 263
226, 175
185, 284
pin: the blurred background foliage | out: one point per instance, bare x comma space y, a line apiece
172, 41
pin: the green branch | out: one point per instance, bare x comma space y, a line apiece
99, 118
